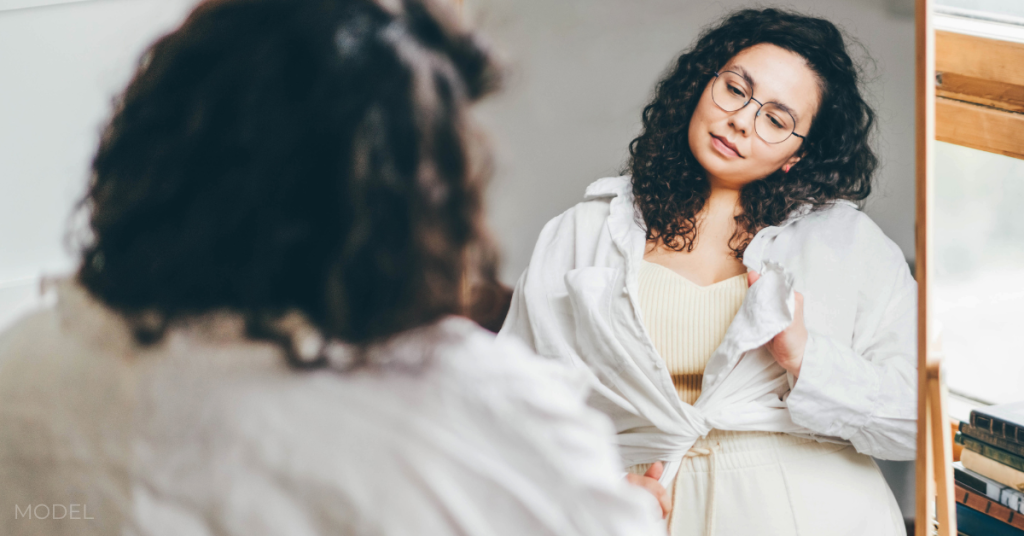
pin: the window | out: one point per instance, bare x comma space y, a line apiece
978, 230
978, 287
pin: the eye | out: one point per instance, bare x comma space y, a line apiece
776, 122
738, 91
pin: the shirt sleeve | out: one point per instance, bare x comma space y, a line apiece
866, 393
517, 322
539, 315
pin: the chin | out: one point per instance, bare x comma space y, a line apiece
713, 164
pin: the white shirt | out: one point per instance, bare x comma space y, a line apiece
577, 303
209, 433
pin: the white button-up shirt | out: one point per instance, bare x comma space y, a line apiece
209, 433
577, 303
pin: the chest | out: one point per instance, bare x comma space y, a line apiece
709, 262
686, 322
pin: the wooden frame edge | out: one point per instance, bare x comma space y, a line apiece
934, 451
979, 127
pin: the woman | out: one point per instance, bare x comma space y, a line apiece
763, 404
262, 337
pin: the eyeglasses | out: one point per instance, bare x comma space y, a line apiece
773, 123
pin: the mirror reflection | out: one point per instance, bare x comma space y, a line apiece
274, 240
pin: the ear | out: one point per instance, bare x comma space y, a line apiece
790, 163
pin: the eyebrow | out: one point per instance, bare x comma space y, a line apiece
750, 80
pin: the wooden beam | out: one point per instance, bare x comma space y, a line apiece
980, 88
980, 127
979, 57
942, 446
991, 93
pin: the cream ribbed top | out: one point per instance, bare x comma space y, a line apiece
686, 321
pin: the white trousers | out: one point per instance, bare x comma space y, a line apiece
770, 484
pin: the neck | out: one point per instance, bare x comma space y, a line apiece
722, 198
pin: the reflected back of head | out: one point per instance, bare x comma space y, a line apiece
310, 155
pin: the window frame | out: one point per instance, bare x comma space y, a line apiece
979, 95
979, 86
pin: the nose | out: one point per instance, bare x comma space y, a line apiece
743, 119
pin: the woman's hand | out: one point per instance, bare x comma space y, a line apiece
649, 481
788, 347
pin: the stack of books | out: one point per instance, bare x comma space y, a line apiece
990, 474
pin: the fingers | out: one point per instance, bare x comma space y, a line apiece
664, 500
654, 488
752, 278
655, 471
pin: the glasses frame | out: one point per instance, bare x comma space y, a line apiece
758, 114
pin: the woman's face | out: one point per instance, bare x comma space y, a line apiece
726, 144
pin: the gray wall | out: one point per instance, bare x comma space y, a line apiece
581, 72
62, 65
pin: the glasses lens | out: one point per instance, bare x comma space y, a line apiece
774, 124
730, 91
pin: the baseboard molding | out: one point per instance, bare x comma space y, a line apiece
17, 298
12, 5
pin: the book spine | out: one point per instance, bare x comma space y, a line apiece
1012, 499
971, 481
982, 485
1004, 474
991, 439
989, 507
975, 523
988, 451
1000, 428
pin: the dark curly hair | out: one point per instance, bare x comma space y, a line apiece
837, 161
274, 156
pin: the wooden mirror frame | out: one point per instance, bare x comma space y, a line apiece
934, 464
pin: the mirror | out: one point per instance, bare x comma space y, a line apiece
581, 74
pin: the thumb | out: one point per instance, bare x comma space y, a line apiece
752, 278
655, 471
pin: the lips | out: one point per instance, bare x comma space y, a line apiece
726, 146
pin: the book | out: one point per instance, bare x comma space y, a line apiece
1004, 420
975, 523
1004, 474
991, 438
988, 451
1006, 496
987, 506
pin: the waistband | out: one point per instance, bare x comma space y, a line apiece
734, 450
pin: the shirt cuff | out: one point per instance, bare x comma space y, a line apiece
837, 389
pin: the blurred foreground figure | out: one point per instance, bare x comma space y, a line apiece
262, 337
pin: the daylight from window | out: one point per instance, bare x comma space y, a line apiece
979, 271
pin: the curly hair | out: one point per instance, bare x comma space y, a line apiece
274, 156
837, 161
